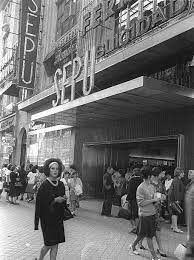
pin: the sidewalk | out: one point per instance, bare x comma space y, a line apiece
88, 235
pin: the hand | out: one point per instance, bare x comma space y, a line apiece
59, 199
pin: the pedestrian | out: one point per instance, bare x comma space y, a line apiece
13, 192
23, 180
108, 188
189, 201
7, 181
147, 213
39, 179
1, 186
65, 179
31, 180
167, 185
50, 208
176, 198
76, 190
133, 184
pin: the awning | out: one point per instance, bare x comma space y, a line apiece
139, 96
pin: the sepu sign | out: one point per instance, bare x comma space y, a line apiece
29, 31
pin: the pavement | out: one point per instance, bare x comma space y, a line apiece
89, 236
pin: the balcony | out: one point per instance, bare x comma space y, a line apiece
8, 110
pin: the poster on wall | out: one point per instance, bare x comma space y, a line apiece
28, 42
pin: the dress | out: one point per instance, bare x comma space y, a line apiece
51, 214
13, 191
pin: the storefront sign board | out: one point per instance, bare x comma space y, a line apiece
28, 44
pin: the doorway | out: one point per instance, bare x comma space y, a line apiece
164, 151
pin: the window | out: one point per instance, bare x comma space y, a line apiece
68, 11
5, 42
7, 13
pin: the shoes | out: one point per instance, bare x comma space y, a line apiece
135, 252
161, 253
177, 230
142, 247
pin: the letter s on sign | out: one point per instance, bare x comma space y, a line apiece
58, 72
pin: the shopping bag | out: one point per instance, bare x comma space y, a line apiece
78, 190
176, 207
180, 251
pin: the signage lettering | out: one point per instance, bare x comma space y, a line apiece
7, 65
30, 20
106, 11
61, 81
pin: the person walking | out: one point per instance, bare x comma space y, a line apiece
176, 197
133, 184
31, 180
147, 213
39, 179
108, 188
76, 189
65, 179
49, 209
12, 188
23, 180
189, 202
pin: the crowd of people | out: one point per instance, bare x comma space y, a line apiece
147, 196
18, 181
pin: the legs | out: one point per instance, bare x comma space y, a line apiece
107, 205
151, 248
175, 225
53, 252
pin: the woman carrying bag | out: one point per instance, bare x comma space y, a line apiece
176, 198
50, 203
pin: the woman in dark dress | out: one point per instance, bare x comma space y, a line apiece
50, 208
13, 191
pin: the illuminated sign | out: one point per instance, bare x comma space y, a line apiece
104, 15
29, 31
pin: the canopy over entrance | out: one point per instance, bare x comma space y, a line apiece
135, 97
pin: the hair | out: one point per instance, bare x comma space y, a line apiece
136, 171
34, 169
72, 166
47, 163
4, 165
74, 173
41, 169
12, 168
30, 166
155, 171
177, 171
145, 172
9, 167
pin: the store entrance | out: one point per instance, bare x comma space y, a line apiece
123, 154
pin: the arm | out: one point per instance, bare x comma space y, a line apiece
141, 201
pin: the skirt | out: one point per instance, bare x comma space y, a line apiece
53, 234
29, 188
147, 226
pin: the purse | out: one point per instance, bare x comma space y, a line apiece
67, 214
176, 207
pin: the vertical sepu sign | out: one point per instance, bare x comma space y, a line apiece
28, 44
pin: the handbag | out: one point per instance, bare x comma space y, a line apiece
78, 190
18, 184
176, 207
67, 214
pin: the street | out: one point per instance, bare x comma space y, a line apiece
88, 235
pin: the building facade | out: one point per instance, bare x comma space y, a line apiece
120, 74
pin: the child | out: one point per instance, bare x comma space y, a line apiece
1, 186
